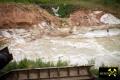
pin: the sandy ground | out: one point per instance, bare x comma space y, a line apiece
77, 51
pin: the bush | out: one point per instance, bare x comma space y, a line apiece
25, 63
61, 63
110, 2
65, 10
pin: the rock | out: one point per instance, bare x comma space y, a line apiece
109, 19
6, 34
89, 18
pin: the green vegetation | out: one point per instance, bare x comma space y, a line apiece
68, 6
65, 10
79, 2
25, 63
39, 63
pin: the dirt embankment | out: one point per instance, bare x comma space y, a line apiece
86, 18
43, 23
18, 15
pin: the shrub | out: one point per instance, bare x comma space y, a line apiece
61, 63
25, 63
65, 10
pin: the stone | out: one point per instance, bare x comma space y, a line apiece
109, 19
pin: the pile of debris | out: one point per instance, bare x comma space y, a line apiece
92, 18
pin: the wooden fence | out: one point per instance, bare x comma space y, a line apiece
61, 73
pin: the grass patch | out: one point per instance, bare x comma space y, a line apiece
25, 63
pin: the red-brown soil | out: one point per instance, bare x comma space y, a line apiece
17, 15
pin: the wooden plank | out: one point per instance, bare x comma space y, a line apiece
68, 71
83, 71
38, 73
78, 71
22, 75
58, 72
44, 73
17, 75
64, 73
33, 74
48, 73
28, 74
73, 72
54, 73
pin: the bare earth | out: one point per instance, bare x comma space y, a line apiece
77, 51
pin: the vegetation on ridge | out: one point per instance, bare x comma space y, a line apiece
112, 6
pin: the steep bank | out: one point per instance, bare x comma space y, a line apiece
24, 15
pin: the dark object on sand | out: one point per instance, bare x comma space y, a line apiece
5, 57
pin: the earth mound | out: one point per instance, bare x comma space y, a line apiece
22, 15
92, 18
